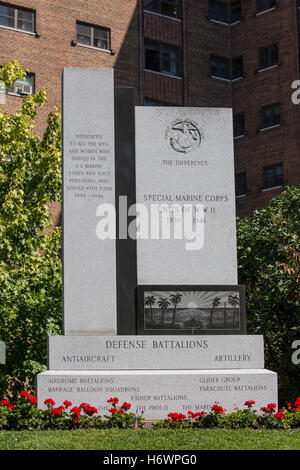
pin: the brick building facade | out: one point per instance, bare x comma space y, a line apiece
241, 54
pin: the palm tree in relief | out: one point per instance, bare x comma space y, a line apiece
163, 303
216, 303
150, 301
234, 301
175, 299
225, 319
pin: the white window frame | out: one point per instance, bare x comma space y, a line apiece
15, 27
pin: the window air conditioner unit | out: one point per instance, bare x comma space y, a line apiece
22, 89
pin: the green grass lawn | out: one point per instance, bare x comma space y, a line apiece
163, 439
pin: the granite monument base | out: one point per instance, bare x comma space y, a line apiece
124, 352
159, 392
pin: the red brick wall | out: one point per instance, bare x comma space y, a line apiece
47, 55
203, 38
163, 88
198, 38
279, 145
163, 29
156, 86
56, 24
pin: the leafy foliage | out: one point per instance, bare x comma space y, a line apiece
30, 263
10, 72
269, 266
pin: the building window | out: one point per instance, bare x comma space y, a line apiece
222, 67
218, 11
268, 56
162, 58
241, 184
17, 18
225, 12
237, 67
273, 176
23, 87
271, 116
239, 125
172, 8
263, 5
93, 36
235, 12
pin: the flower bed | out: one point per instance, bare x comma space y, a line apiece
23, 414
284, 418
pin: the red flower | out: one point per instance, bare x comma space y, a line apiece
88, 409
24, 393
11, 407
297, 402
249, 403
92, 410
269, 409
49, 402
177, 416
113, 400
193, 415
76, 410
55, 411
217, 409
116, 411
32, 399
197, 414
83, 405
67, 403
113, 410
294, 410
280, 415
4, 403
126, 406
75, 413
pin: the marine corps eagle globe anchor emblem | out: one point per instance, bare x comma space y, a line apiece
183, 135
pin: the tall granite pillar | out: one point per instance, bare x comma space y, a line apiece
88, 181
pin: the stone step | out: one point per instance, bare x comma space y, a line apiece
159, 392
155, 352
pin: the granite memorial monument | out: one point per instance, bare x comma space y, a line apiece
153, 313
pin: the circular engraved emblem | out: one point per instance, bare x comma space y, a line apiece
183, 135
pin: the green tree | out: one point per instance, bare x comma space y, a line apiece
30, 247
269, 266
